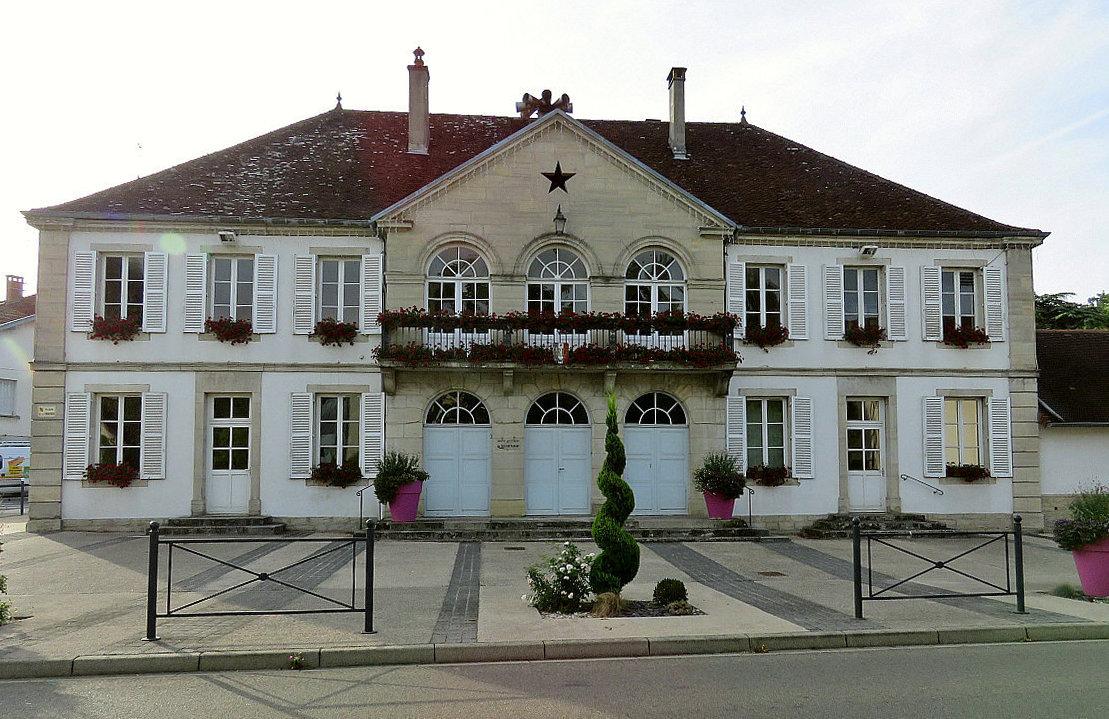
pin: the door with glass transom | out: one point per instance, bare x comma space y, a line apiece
458, 443
227, 484
558, 454
656, 442
866, 475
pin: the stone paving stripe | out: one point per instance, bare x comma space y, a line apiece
457, 622
792, 608
843, 569
200, 579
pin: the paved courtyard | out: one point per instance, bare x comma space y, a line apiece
84, 593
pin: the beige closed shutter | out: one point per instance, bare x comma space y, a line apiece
372, 432
152, 450
372, 293
802, 419
931, 306
196, 286
933, 437
82, 289
736, 429
75, 442
834, 325
300, 435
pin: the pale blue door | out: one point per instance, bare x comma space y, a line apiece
557, 469
457, 460
658, 468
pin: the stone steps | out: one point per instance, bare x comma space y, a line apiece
839, 526
524, 530
222, 525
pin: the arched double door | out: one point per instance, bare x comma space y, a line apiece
656, 442
458, 440
558, 442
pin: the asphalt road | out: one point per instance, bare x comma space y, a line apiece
1039, 680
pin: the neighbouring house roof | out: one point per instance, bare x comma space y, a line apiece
1074, 375
22, 308
349, 165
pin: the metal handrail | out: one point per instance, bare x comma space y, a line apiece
935, 490
361, 520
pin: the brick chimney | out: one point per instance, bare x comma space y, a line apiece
418, 132
676, 81
15, 288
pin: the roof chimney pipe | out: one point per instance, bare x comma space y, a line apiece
15, 288
676, 82
419, 133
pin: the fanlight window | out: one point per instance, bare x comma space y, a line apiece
457, 408
654, 282
557, 408
458, 282
557, 282
655, 266
655, 408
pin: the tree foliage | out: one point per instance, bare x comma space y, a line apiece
618, 562
1056, 312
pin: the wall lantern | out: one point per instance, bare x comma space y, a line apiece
559, 221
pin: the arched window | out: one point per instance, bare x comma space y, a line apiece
557, 408
458, 282
654, 282
655, 408
457, 408
557, 282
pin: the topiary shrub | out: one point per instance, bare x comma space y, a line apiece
618, 562
670, 590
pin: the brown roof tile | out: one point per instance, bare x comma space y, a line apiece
13, 310
1074, 374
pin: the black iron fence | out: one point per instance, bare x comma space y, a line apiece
1014, 569
192, 547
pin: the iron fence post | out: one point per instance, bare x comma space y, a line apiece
152, 586
856, 557
750, 515
368, 626
1018, 556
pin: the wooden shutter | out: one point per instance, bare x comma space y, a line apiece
802, 437
154, 280
372, 285
265, 294
737, 293
196, 286
304, 294
933, 437
834, 326
797, 290
896, 321
995, 303
1001, 437
736, 429
372, 432
300, 435
81, 302
75, 446
152, 453
931, 306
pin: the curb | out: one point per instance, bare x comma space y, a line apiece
554, 649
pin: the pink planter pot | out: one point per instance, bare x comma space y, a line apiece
719, 507
406, 505
1092, 563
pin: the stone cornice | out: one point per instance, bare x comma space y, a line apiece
204, 367
886, 239
200, 224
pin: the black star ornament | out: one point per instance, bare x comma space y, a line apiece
558, 178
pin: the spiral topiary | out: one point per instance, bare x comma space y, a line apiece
618, 562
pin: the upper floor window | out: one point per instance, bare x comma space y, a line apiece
860, 297
123, 288
340, 282
7, 397
119, 419
654, 282
337, 431
233, 288
557, 282
766, 431
763, 301
959, 299
962, 431
458, 282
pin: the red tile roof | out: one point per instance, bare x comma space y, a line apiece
13, 310
1074, 374
348, 165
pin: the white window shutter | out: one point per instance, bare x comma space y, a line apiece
304, 294
897, 325
265, 294
155, 275
834, 325
300, 435
196, 286
933, 437
81, 303
931, 307
995, 303
802, 437
1001, 437
797, 289
152, 452
372, 285
373, 432
736, 429
78, 407
737, 294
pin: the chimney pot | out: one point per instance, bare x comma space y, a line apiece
419, 133
15, 288
676, 82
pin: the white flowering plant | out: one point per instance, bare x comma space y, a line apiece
561, 583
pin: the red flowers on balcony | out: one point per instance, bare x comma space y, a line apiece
333, 332
417, 355
122, 329
545, 322
964, 337
117, 475
236, 332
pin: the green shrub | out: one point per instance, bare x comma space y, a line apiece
1089, 520
1091, 504
719, 474
560, 584
395, 470
618, 562
1068, 591
670, 590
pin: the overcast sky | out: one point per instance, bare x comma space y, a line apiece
1001, 108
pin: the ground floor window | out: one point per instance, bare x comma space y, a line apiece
337, 437
766, 431
119, 419
962, 431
